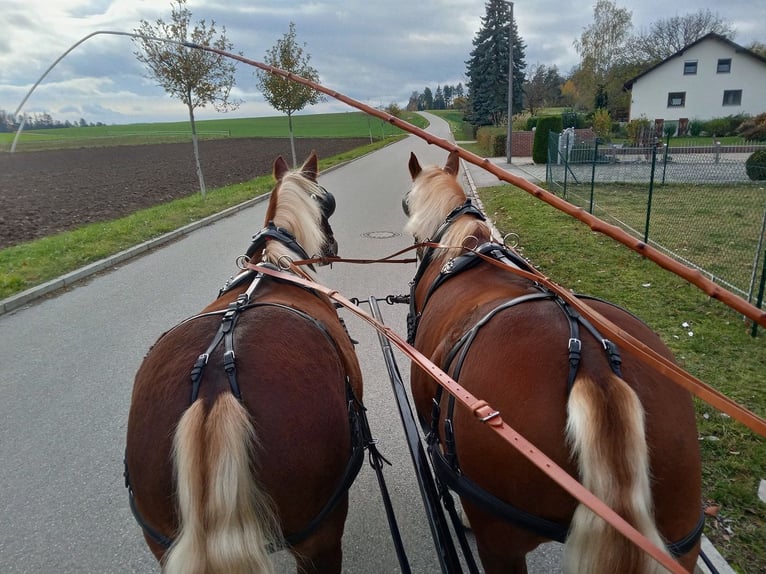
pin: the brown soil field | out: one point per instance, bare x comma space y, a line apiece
45, 192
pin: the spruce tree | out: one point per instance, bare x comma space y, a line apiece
487, 68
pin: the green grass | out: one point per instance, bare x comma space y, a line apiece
33, 263
456, 123
714, 226
337, 125
721, 353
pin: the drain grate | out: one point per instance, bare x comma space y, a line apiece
380, 234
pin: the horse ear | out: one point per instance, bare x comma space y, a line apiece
453, 163
310, 167
414, 165
280, 168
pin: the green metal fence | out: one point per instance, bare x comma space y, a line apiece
696, 204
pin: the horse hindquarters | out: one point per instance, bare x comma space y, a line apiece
226, 521
605, 429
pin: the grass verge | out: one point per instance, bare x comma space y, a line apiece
709, 340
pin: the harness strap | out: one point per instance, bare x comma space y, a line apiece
280, 234
225, 332
361, 437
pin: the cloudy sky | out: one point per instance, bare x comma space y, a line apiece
375, 51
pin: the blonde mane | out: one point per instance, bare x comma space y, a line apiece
300, 213
433, 196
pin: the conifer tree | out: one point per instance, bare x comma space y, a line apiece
487, 68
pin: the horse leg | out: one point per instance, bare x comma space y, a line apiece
323, 551
502, 547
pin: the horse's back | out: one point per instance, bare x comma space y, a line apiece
518, 362
292, 358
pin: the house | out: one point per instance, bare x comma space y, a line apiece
710, 78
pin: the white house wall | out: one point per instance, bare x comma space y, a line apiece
704, 90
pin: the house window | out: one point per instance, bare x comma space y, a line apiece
690, 68
724, 66
676, 99
732, 97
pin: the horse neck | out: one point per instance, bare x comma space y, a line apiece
464, 233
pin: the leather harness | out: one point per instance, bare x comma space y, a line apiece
444, 459
361, 437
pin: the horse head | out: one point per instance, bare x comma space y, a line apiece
300, 209
434, 206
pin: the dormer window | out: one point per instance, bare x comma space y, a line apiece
690, 68
724, 66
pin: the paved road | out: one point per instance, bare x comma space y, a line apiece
68, 362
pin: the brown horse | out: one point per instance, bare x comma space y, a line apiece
626, 432
243, 431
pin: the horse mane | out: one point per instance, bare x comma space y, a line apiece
434, 194
298, 212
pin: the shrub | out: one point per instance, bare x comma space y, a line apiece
670, 128
545, 125
695, 127
639, 130
491, 140
520, 122
724, 126
755, 166
753, 129
531, 123
602, 123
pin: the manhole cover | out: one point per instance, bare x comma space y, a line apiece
380, 234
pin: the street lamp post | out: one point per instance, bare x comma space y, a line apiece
508, 152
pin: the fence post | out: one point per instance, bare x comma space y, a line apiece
651, 191
665, 159
759, 302
566, 160
593, 176
717, 146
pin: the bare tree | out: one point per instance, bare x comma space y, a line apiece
196, 77
670, 35
283, 94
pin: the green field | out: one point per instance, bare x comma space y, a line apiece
338, 125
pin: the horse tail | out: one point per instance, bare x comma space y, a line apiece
605, 430
226, 521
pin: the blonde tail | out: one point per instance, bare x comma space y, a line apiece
226, 521
605, 430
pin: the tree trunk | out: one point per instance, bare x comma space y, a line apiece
292, 139
196, 152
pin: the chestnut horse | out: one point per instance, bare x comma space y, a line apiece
621, 428
242, 434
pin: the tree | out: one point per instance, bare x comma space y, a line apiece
439, 99
670, 35
412, 104
604, 53
196, 77
543, 89
759, 48
286, 95
428, 99
487, 68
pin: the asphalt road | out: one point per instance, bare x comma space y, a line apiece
68, 361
